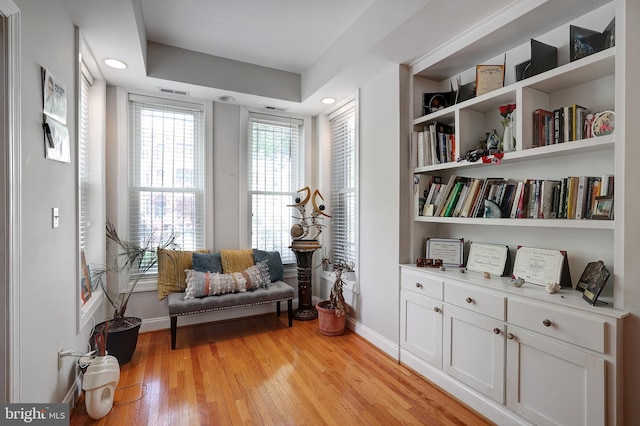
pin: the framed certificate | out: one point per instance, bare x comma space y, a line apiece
450, 250
488, 78
492, 258
541, 266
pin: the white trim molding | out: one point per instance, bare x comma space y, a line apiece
13, 201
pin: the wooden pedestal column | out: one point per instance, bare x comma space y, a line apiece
304, 250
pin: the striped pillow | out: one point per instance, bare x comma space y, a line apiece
236, 260
202, 284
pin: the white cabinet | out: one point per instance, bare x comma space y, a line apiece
516, 355
474, 351
421, 327
551, 383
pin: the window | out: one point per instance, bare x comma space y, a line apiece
166, 172
276, 173
342, 124
86, 80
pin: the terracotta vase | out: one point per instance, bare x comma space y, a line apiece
330, 324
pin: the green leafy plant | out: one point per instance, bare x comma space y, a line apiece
135, 260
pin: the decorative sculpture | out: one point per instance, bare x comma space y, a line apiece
305, 235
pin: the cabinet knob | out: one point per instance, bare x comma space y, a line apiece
418, 285
436, 309
496, 330
546, 323
510, 336
469, 300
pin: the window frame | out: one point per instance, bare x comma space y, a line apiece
245, 207
344, 107
118, 206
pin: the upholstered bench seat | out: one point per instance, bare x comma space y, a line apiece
276, 292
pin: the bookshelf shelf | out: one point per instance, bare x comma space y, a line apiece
528, 223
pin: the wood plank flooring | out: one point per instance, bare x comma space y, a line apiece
258, 371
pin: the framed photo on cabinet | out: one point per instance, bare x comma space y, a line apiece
450, 250
603, 208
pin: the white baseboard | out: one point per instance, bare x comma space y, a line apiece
73, 393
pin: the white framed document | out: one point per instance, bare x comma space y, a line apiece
541, 266
492, 258
450, 250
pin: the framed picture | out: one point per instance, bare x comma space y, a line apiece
604, 123
592, 281
609, 35
583, 42
492, 258
433, 102
488, 78
85, 280
542, 266
604, 208
450, 250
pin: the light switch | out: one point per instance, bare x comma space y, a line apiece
56, 217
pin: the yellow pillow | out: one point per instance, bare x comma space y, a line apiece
236, 260
171, 267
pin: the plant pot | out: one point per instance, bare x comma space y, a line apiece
330, 324
122, 338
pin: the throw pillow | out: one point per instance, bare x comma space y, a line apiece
236, 260
171, 267
202, 284
207, 262
276, 271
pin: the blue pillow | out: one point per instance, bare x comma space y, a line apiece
276, 271
207, 262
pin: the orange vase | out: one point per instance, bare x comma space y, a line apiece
330, 324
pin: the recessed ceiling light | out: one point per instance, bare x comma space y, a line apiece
226, 98
328, 100
115, 63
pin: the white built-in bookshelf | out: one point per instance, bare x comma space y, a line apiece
444, 312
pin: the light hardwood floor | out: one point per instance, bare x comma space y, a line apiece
258, 371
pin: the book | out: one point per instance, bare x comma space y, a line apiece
572, 188
548, 192
472, 195
577, 112
558, 125
461, 199
421, 185
542, 127
445, 195
581, 195
453, 199
488, 184
514, 208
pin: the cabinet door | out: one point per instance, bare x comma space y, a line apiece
474, 349
421, 327
550, 383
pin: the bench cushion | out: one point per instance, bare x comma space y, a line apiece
278, 291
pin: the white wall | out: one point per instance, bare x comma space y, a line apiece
377, 306
49, 286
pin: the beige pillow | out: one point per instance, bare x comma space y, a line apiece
171, 267
236, 260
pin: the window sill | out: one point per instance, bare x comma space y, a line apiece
89, 309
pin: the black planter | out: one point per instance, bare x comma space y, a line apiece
121, 338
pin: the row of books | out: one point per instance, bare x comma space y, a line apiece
573, 197
564, 124
436, 144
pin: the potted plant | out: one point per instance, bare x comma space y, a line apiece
134, 260
332, 313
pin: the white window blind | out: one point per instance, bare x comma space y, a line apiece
343, 183
84, 152
166, 172
276, 173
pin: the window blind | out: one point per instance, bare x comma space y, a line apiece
342, 125
84, 152
166, 172
276, 173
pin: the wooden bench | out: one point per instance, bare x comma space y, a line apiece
277, 292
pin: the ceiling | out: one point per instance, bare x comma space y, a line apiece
285, 54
